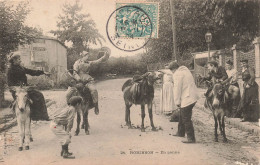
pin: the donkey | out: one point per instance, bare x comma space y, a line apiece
22, 111
140, 93
217, 104
78, 89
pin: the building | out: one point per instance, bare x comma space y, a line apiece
45, 53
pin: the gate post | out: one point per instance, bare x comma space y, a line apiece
256, 42
234, 56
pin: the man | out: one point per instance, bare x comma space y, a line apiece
216, 74
249, 103
64, 119
185, 97
81, 72
232, 88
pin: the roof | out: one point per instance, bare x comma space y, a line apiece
204, 54
51, 38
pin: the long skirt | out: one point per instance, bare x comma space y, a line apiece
166, 100
38, 107
249, 103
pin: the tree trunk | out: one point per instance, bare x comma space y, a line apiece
2, 79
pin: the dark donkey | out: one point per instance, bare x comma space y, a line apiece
140, 93
78, 89
217, 104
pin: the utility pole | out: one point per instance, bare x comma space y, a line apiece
174, 53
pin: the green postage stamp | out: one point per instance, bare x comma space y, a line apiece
137, 19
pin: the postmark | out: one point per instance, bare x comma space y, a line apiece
130, 27
151, 10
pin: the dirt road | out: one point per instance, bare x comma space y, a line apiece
111, 142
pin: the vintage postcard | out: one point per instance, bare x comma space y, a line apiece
129, 82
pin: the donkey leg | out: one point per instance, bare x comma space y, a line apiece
216, 128
21, 134
86, 121
143, 116
127, 114
150, 110
78, 123
83, 123
220, 125
223, 126
27, 133
31, 138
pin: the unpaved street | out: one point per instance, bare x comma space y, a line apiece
111, 142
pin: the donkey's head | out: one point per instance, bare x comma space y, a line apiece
22, 99
218, 95
151, 77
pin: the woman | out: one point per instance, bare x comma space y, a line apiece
16, 76
249, 103
166, 100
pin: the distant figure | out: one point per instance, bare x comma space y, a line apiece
185, 97
166, 99
233, 90
249, 104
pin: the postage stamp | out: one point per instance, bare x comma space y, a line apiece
133, 21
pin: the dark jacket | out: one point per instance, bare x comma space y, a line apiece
220, 74
248, 76
16, 75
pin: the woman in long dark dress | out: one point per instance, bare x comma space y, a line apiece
249, 104
16, 76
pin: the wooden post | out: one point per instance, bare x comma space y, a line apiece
174, 52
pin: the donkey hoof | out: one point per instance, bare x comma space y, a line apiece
76, 133
142, 130
20, 148
31, 139
154, 129
216, 140
225, 140
27, 147
87, 132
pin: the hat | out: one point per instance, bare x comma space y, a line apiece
229, 62
12, 56
83, 53
244, 60
213, 63
74, 100
173, 65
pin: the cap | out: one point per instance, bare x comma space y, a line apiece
13, 55
229, 62
173, 65
244, 60
74, 100
213, 63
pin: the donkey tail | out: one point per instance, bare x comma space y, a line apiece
127, 83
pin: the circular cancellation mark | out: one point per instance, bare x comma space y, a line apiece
131, 29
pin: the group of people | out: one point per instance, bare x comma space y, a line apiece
180, 92
63, 121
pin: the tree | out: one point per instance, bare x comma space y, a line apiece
230, 22
77, 28
13, 33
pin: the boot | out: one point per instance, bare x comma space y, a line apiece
66, 154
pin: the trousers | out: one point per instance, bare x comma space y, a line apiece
63, 136
185, 124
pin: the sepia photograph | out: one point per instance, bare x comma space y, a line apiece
129, 82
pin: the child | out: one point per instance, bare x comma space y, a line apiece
65, 119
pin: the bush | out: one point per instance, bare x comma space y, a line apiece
41, 82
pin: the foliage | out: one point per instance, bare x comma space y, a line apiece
42, 82
78, 29
230, 22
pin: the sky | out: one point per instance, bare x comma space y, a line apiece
44, 14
